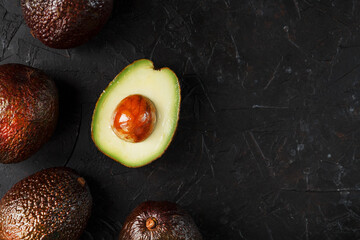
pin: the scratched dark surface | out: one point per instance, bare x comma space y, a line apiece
267, 145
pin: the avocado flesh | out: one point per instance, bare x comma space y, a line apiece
162, 88
28, 111
54, 203
169, 222
65, 23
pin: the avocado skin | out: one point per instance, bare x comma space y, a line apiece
173, 223
28, 111
65, 23
51, 204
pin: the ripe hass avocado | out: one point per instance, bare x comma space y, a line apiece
54, 203
65, 23
28, 111
159, 221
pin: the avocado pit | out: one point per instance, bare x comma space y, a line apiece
134, 118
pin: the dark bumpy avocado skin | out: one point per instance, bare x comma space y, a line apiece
52, 204
65, 23
28, 111
172, 223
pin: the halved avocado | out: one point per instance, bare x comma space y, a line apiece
161, 87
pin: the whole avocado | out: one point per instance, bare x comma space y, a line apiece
153, 220
65, 23
54, 203
28, 111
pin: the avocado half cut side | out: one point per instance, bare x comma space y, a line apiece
161, 87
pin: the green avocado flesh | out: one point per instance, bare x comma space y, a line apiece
162, 88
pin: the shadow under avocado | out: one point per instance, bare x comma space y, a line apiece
58, 148
100, 226
124, 12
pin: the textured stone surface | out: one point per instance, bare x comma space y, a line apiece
268, 140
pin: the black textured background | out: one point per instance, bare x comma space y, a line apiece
268, 140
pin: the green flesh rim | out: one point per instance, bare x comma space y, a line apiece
162, 88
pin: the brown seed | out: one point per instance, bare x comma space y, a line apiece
134, 118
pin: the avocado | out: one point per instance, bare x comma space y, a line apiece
136, 116
153, 220
54, 203
65, 23
28, 111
